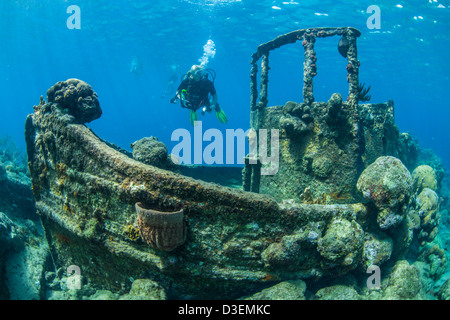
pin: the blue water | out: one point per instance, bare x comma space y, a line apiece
406, 60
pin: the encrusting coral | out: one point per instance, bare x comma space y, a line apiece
342, 242
131, 232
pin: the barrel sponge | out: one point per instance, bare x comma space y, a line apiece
161, 230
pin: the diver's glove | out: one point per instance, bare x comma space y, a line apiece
174, 100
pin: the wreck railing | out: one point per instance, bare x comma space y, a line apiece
347, 48
308, 38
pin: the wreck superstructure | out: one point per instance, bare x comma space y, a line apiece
119, 219
324, 146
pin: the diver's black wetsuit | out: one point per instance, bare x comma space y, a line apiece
197, 93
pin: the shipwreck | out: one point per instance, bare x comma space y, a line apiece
118, 218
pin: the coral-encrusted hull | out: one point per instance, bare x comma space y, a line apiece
86, 191
225, 242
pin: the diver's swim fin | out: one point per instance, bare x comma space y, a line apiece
193, 117
221, 116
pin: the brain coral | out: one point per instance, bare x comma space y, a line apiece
427, 204
424, 177
387, 183
78, 98
150, 151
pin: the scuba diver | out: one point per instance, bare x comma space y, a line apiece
172, 80
194, 93
136, 66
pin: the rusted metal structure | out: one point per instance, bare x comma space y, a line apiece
258, 101
308, 38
